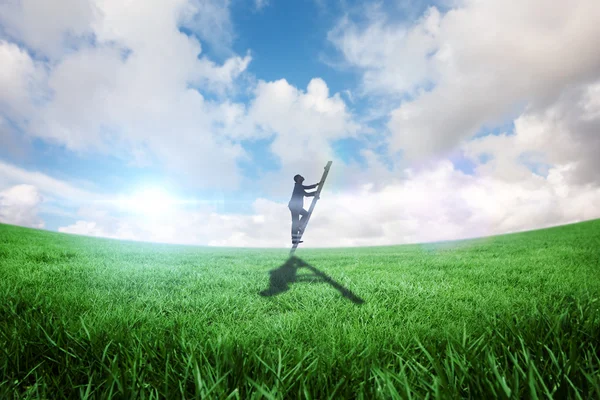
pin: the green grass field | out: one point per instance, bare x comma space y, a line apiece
512, 316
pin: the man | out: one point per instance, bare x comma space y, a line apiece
296, 206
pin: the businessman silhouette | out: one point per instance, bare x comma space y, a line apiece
296, 206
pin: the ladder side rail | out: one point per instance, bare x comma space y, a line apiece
315, 198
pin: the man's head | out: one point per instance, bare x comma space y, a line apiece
298, 178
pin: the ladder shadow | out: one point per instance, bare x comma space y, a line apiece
287, 273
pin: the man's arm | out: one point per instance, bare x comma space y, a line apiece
311, 194
312, 186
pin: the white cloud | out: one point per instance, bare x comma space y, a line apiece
433, 203
20, 78
211, 21
441, 203
52, 188
49, 27
480, 64
19, 206
91, 228
437, 203
484, 59
564, 134
260, 4
304, 123
394, 58
84, 228
219, 79
124, 104
311, 116
130, 92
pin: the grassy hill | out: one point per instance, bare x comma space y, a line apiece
509, 316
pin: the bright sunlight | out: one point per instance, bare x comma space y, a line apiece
150, 201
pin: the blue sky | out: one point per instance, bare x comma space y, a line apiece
441, 105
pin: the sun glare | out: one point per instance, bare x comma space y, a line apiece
149, 201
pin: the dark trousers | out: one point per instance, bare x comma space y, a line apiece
297, 221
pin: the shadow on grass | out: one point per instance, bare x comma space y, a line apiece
287, 273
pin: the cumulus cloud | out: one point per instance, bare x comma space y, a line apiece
475, 65
309, 115
19, 206
433, 204
564, 134
52, 188
132, 82
20, 78
303, 124
92, 228
211, 21
50, 28
394, 57
220, 78
442, 203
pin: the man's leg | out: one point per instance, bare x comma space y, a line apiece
302, 221
295, 224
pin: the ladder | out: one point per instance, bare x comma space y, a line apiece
312, 206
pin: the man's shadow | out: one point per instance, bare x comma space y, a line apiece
287, 273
